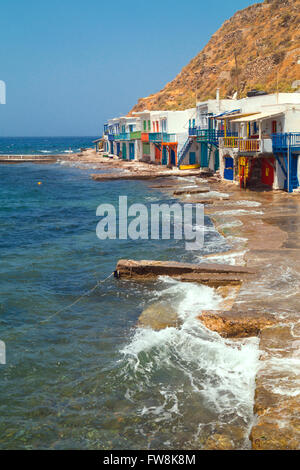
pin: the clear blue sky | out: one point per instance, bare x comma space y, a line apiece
71, 64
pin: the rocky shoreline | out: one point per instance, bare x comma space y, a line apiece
262, 229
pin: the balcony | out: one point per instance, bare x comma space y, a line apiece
230, 142
249, 145
157, 137
209, 135
136, 135
244, 145
281, 142
123, 136
111, 137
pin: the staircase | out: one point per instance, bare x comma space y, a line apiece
184, 150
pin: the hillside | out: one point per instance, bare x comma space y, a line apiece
256, 47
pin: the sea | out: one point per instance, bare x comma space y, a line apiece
80, 373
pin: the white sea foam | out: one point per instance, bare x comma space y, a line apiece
230, 258
247, 203
212, 372
215, 194
233, 223
238, 212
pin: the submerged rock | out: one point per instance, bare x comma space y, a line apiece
218, 442
158, 316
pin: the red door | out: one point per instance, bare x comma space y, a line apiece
157, 155
267, 168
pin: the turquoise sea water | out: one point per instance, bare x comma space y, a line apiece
87, 377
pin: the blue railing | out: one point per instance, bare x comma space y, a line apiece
161, 137
283, 141
123, 136
111, 137
210, 135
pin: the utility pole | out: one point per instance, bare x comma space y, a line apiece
237, 75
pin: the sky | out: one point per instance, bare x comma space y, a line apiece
69, 65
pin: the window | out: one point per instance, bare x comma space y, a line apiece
145, 125
149, 125
274, 127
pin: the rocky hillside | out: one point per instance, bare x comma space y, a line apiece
257, 48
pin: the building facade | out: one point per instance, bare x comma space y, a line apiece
264, 150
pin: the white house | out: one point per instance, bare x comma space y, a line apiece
264, 150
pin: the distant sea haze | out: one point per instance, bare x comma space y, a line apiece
43, 145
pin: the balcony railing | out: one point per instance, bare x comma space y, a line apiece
123, 136
157, 137
136, 135
230, 142
111, 137
249, 145
209, 135
285, 140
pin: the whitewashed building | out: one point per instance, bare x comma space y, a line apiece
265, 148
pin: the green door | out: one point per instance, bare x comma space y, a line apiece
124, 151
217, 160
204, 156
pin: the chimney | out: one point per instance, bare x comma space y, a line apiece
218, 98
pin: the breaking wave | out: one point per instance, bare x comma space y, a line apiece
190, 380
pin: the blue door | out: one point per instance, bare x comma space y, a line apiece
192, 158
131, 151
124, 152
112, 147
204, 156
173, 159
228, 171
164, 160
294, 175
118, 149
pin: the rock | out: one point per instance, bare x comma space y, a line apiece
276, 402
213, 274
158, 316
143, 175
178, 192
269, 436
236, 324
218, 442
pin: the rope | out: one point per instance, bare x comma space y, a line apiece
76, 301
68, 306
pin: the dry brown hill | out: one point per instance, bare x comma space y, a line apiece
257, 48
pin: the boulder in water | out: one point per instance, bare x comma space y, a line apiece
158, 316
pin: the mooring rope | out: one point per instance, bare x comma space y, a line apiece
68, 306
77, 300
